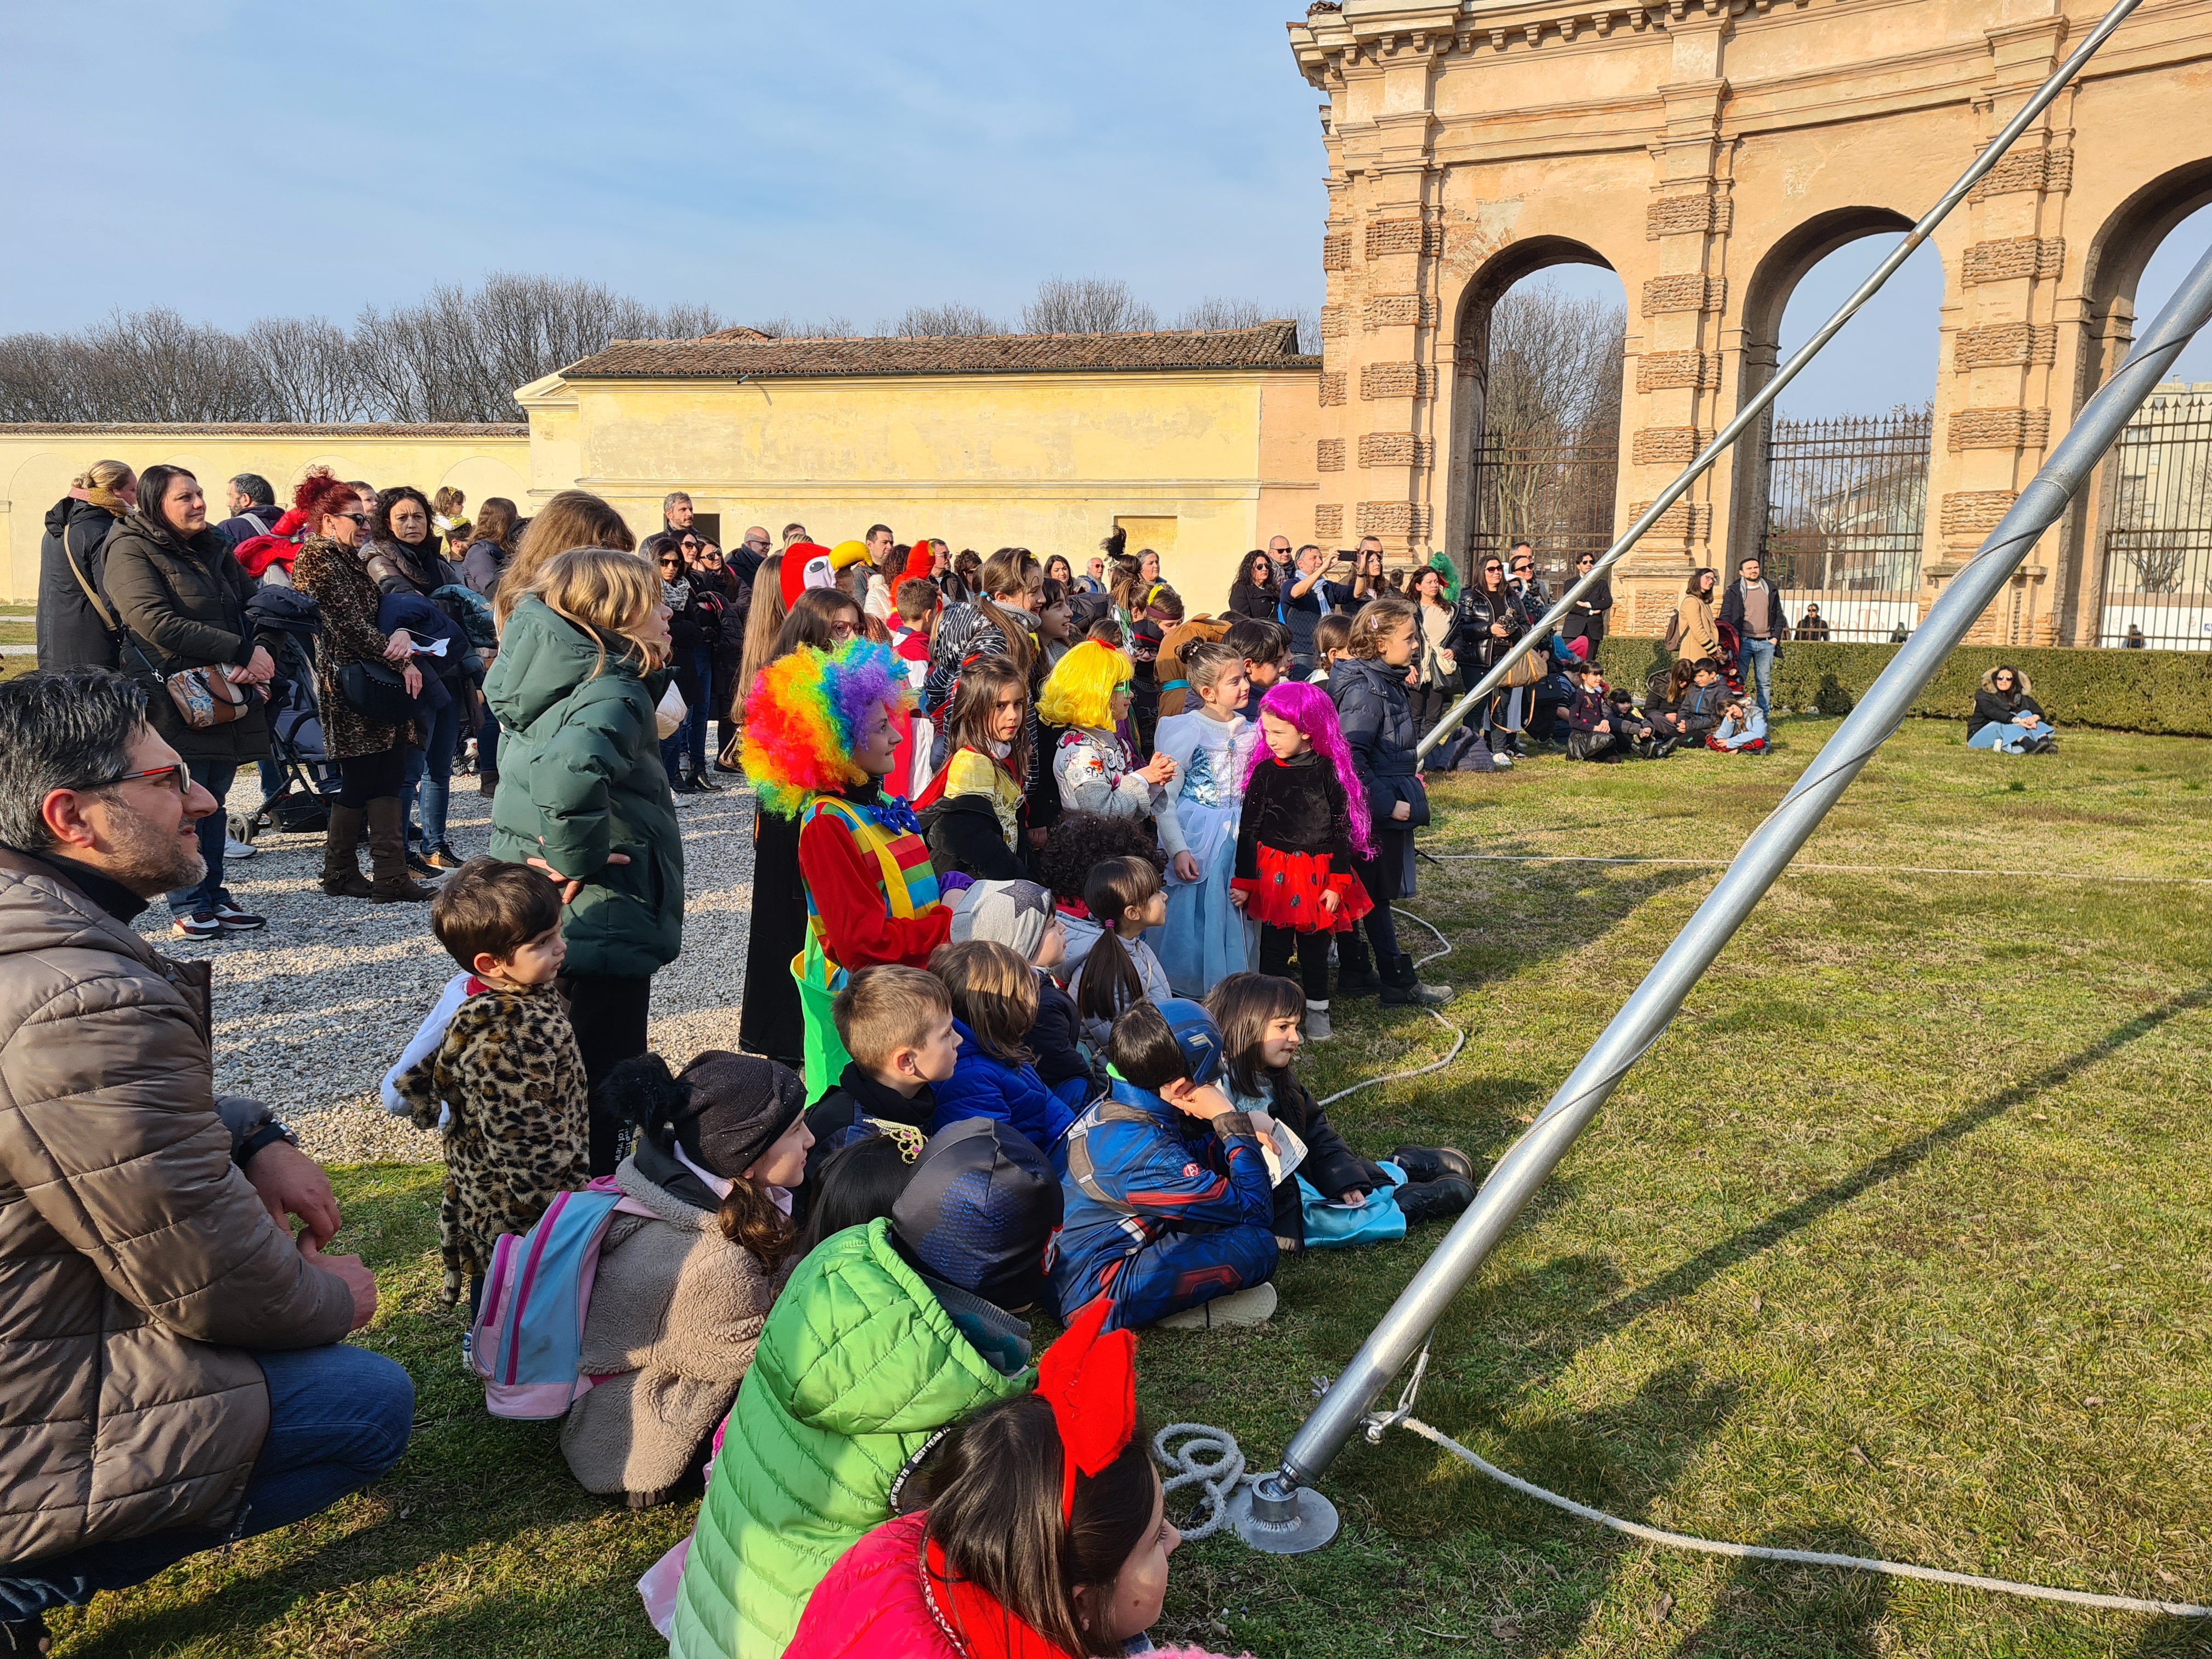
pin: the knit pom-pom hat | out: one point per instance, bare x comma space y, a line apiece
804, 712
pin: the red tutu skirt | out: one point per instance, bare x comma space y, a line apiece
1287, 893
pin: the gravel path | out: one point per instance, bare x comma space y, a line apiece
311, 1012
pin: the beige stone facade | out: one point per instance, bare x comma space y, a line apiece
1712, 152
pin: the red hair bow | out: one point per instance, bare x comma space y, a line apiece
1090, 1383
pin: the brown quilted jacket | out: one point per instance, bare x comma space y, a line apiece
136, 1263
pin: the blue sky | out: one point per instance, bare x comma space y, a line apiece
769, 159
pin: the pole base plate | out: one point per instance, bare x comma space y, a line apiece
1303, 1522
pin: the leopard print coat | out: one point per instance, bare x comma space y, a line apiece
521, 1131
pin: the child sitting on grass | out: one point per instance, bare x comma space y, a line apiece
1334, 1197
1020, 915
679, 1296
884, 1335
505, 1081
1170, 1207
1742, 730
994, 1004
1126, 896
897, 1022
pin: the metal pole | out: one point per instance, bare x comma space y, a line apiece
1647, 1013
1748, 415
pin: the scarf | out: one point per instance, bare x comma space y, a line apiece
676, 594
106, 500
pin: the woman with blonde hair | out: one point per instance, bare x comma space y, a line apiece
582, 794
575, 518
71, 632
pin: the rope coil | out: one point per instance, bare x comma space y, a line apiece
1210, 1459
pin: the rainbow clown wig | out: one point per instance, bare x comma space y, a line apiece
803, 714
1081, 689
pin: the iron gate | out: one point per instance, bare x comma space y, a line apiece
1845, 500
1552, 487
2158, 542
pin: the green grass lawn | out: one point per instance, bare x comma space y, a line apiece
1895, 1245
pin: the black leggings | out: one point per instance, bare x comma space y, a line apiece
608, 1012
365, 778
1383, 933
1276, 945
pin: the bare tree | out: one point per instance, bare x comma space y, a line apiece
308, 370
834, 326
1215, 313
1551, 417
951, 320
1086, 305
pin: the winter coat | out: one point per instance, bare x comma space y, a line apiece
1993, 707
966, 632
183, 606
1700, 708
1055, 1039
1588, 618
983, 1085
1331, 1167
579, 777
408, 567
877, 1602
859, 1364
1777, 623
1478, 647
332, 576
1700, 638
676, 1310
136, 1261
259, 521
1377, 718
1258, 603
70, 630
481, 566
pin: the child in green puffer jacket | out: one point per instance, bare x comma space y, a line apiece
884, 1335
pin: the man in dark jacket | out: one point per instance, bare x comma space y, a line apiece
253, 509
171, 1376
1752, 606
1307, 596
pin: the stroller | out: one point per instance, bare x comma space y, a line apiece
308, 778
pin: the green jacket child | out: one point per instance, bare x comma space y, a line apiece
884, 1335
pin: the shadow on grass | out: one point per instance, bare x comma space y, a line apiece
1769, 1607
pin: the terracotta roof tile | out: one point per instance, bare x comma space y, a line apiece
1268, 345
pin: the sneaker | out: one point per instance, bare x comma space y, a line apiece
1255, 1306
443, 857
1502, 759
417, 866
201, 924
234, 850
1317, 1028
235, 920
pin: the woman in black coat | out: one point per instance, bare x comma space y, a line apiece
1587, 619
1491, 616
180, 597
72, 633
1256, 590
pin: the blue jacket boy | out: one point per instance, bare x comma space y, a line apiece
983, 1086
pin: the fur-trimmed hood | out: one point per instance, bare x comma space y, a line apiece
1990, 681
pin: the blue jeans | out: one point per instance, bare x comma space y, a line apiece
2006, 739
214, 831
430, 772
487, 748
338, 1418
1758, 658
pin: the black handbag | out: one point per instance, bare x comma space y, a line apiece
377, 692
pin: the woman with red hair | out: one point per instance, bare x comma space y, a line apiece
371, 754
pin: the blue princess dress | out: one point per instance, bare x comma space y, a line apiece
1205, 938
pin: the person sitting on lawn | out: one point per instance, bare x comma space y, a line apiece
1021, 915
1170, 1207
884, 1335
896, 1024
1700, 706
2006, 718
994, 1006
1742, 730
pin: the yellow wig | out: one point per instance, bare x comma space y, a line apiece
1081, 689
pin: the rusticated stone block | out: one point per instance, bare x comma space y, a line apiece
1385, 518
1975, 512
1396, 381
2039, 257
1677, 215
1397, 311
1332, 321
1668, 445
1658, 371
1395, 449
2000, 428
1693, 293
1336, 251
1331, 391
2033, 170
1389, 236
1999, 344
1328, 521
1329, 455
1689, 520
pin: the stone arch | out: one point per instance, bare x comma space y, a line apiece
1774, 278
1467, 347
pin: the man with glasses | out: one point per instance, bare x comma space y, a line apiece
1752, 606
1279, 549
1585, 618
172, 1372
745, 557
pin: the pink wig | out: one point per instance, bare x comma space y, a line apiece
805, 711
1308, 710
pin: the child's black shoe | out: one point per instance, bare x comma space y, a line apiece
1434, 1162
1355, 968
1434, 1200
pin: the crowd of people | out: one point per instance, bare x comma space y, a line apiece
1053, 881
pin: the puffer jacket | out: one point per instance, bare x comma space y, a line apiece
676, 1310
580, 777
70, 630
1993, 707
1479, 648
859, 1365
1377, 718
183, 603
136, 1261
983, 1085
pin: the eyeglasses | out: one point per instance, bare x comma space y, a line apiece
358, 518
690, 547
177, 775
756, 541
1493, 566
842, 629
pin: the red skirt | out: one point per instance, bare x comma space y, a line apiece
1287, 893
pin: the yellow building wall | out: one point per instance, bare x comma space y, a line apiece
1049, 462
36, 465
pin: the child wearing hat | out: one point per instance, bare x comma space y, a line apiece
683, 1290
1170, 1204
884, 1335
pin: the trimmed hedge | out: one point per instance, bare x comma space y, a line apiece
2158, 691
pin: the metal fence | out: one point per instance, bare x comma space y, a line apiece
1846, 498
1552, 487
2158, 539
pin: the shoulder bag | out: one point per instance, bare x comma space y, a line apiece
204, 697
377, 692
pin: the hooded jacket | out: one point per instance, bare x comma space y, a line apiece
136, 1261
183, 606
1377, 718
1992, 707
69, 631
983, 1085
859, 1364
580, 777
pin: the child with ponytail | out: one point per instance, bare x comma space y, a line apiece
690, 1265
1300, 835
1125, 896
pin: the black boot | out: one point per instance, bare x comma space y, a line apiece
1433, 1163
1434, 1200
1355, 970
1403, 986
